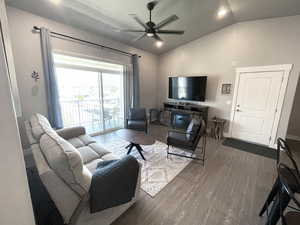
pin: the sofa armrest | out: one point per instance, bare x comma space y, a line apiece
109, 188
71, 132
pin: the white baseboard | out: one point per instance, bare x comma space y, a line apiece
293, 137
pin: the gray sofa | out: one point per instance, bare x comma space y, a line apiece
66, 160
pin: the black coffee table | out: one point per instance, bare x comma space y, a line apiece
136, 139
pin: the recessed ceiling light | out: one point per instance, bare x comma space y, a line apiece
222, 12
159, 43
56, 2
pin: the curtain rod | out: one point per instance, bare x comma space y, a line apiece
87, 42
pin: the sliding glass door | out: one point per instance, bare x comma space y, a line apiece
91, 97
113, 100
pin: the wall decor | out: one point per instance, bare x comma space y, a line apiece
35, 75
226, 89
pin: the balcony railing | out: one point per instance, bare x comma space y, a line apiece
92, 115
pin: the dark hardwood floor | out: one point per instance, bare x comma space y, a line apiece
229, 190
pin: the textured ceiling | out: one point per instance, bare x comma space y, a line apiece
196, 17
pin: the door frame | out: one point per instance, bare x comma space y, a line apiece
286, 68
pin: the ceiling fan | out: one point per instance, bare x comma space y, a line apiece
150, 28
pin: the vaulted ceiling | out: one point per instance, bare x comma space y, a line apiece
196, 17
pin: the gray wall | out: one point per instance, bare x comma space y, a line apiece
294, 125
255, 43
15, 203
27, 54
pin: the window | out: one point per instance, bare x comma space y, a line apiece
91, 93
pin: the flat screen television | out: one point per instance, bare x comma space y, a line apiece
188, 88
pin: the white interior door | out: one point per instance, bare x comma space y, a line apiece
256, 102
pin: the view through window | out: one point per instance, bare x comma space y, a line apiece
91, 93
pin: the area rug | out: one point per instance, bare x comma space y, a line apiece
157, 170
250, 147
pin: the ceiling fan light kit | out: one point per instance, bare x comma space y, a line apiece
151, 29
222, 12
159, 43
150, 34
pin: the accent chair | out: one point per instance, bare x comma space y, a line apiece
189, 139
137, 119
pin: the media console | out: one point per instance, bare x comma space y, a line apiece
181, 113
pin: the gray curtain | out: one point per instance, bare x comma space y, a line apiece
136, 81
54, 109
128, 91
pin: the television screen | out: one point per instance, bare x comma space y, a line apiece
187, 88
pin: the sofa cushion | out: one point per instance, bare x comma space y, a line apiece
66, 161
87, 154
71, 132
39, 125
87, 139
92, 165
99, 149
81, 140
109, 156
76, 142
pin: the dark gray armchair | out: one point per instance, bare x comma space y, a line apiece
189, 139
137, 119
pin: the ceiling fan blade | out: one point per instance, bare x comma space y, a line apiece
129, 30
166, 21
139, 21
170, 32
156, 37
140, 37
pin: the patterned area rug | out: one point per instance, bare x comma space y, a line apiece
157, 170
